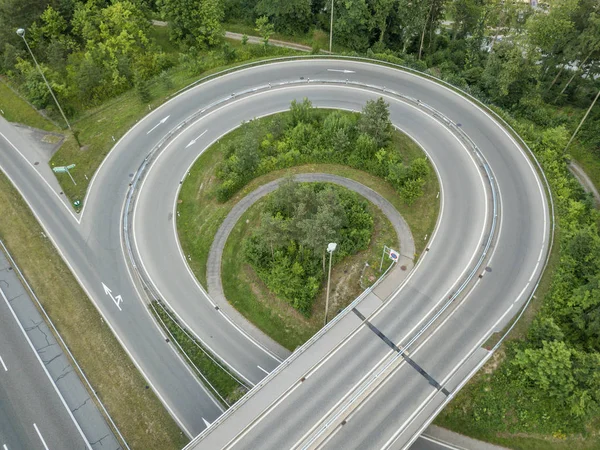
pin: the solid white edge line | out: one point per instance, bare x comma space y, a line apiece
440, 442
486, 202
446, 379
68, 208
45, 371
163, 334
163, 297
3, 365
93, 300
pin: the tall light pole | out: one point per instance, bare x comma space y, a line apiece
331, 28
21, 32
330, 249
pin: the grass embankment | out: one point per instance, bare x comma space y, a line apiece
201, 215
226, 386
15, 109
138, 413
250, 296
101, 127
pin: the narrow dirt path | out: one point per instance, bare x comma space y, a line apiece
213, 271
585, 181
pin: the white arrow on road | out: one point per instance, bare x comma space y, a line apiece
159, 123
117, 299
340, 70
193, 141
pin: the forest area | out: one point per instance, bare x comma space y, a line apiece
537, 67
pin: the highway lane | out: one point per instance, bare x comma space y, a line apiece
30, 408
95, 259
518, 261
100, 223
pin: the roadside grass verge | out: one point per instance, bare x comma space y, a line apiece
220, 381
17, 110
275, 317
136, 410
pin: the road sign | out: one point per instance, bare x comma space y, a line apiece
393, 254
65, 169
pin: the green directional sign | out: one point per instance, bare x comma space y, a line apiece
65, 169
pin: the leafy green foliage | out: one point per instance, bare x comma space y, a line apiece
288, 249
308, 135
197, 23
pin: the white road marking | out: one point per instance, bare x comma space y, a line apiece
5, 447
158, 124
41, 437
437, 442
206, 422
3, 365
263, 370
193, 141
44, 368
117, 299
341, 70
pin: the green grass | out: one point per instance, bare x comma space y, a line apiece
201, 215
17, 110
226, 386
276, 318
138, 413
97, 127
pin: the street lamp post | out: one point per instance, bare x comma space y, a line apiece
21, 33
331, 28
330, 249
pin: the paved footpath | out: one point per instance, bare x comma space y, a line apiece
97, 432
213, 271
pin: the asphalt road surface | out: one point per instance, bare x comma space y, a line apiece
32, 416
91, 245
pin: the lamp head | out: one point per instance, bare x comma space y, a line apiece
331, 247
21, 32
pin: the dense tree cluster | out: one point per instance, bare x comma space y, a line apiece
523, 59
550, 383
299, 220
309, 135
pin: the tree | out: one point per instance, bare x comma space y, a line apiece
381, 13
265, 29
375, 121
548, 368
194, 21
301, 111
287, 16
466, 15
353, 24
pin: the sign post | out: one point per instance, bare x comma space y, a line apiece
392, 254
65, 169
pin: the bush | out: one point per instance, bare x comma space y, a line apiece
287, 250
